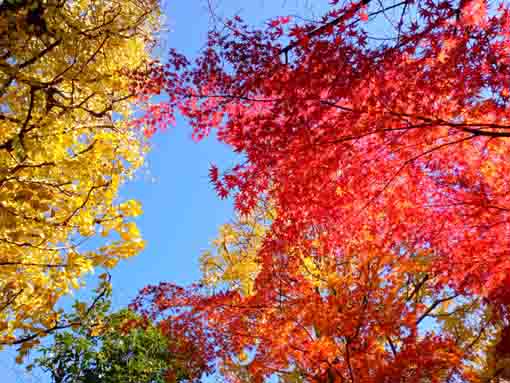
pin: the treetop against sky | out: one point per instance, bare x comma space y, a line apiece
369, 181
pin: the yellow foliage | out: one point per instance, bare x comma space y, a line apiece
65, 148
234, 260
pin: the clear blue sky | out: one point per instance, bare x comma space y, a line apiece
181, 211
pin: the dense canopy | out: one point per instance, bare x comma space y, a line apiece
371, 238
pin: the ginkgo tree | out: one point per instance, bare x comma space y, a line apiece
380, 133
233, 261
66, 146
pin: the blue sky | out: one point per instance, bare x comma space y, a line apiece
181, 211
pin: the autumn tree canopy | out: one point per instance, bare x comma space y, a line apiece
65, 148
380, 135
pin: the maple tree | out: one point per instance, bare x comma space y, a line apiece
368, 316
66, 146
385, 160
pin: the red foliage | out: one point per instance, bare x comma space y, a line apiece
177, 312
405, 142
